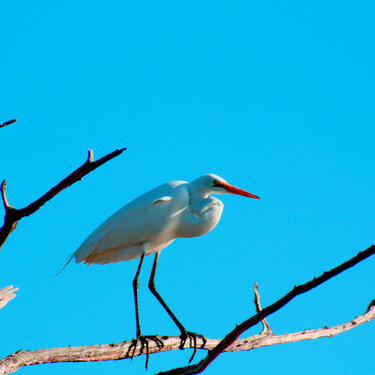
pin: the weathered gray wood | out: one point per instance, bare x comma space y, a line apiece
121, 350
7, 294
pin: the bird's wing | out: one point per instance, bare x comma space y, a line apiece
149, 219
161, 200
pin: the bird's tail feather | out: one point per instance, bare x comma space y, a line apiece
65, 264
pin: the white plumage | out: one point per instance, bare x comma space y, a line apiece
151, 222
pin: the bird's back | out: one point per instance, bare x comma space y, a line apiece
145, 220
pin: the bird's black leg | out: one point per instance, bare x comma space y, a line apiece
140, 337
184, 333
135, 290
151, 285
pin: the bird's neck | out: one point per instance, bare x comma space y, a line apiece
199, 204
203, 215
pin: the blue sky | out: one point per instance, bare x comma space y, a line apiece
277, 98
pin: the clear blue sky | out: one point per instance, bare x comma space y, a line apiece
277, 98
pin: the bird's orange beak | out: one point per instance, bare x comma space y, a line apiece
235, 190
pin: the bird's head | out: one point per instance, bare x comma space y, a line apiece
213, 184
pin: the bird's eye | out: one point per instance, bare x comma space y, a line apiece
216, 183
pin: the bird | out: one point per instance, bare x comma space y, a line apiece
152, 222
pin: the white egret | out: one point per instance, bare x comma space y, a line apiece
153, 221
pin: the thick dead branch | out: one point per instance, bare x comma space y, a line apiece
6, 295
13, 215
122, 350
8, 122
231, 337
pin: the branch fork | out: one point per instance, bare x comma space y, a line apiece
13, 215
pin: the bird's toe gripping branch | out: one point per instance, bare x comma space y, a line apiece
193, 341
144, 345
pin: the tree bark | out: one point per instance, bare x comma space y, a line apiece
123, 350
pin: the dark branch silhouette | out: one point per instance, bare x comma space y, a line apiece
14, 215
8, 122
230, 343
231, 337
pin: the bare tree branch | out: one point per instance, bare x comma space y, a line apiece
7, 294
8, 122
13, 215
231, 337
122, 350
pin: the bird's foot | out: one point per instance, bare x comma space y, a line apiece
193, 341
144, 341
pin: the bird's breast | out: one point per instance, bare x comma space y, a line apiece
201, 217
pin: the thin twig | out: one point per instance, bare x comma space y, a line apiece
231, 337
266, 327
4, 196
13, 215
8, 122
